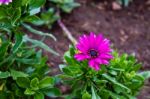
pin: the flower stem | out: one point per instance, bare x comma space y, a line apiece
67, 32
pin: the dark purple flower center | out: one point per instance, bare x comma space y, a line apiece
93, 53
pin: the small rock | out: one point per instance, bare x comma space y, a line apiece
100, 7
122, 32
148, 2
116, 6
98, 22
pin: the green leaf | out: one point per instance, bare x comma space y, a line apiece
4, 74
35, 4
66, 5
72, 50
61, 66
35, 11
24, 2
23, 82
5, 25
16, 16
29, 92
136, 83
104, 93
66, 71
40, 44
8, 59
27, 61
145, 74
19, 3
116, 69
39, 96
48, 18
118, 89
19, 41
46, 82
136, 67
68, 58
2, 13
34, 84
115, 82
38, 32
15, 74
52, 92
115, 96
32, 19
86, 95
68, 8
94, 95
3, 49
18, 92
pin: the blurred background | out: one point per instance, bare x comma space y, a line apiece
126, 27
126, 23
32, 28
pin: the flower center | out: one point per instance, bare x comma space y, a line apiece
93, 53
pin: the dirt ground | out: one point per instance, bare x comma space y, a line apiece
128, 29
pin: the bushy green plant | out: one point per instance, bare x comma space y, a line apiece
51, 12
23, 72
23, 69
19, 11
16, 14
121, 79
47, 18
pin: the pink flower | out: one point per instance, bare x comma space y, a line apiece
5, 2
95, 49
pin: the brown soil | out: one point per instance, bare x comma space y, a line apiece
128, 29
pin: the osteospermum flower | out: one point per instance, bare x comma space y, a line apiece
95, 49
5, 2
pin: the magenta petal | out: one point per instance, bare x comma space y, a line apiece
91, 41
93, 64
105, 62
82, 48
94, 48
97, 67
5, 1
99, 38
81, 57
98, 60
83, 44
105, 56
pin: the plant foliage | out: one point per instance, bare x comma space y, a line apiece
65, 5
121, 79
23, 69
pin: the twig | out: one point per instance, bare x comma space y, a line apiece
66, 31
